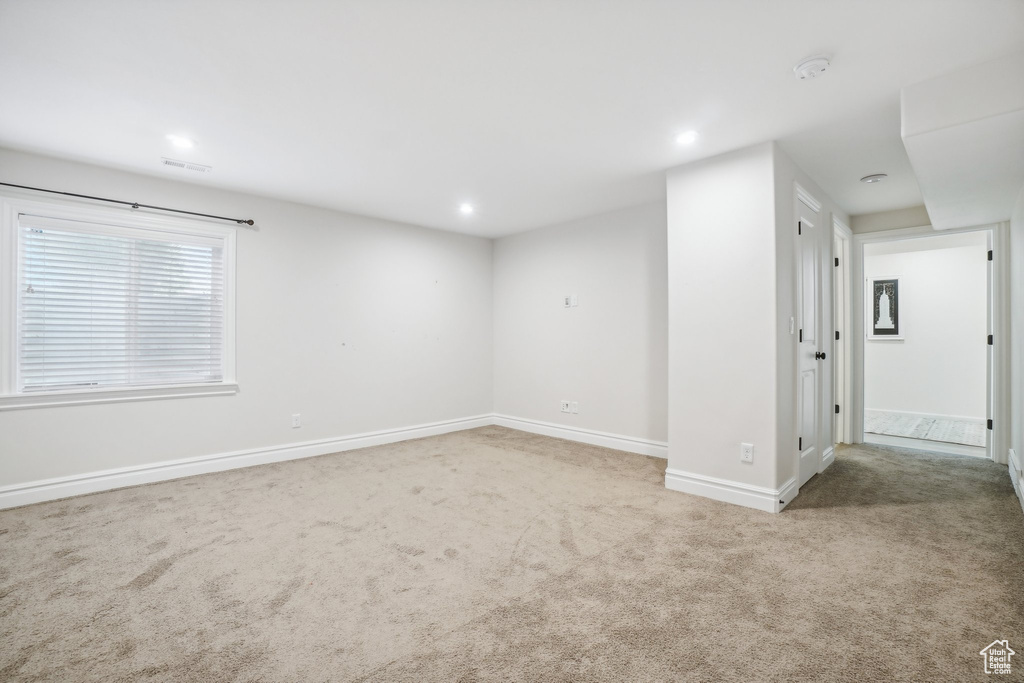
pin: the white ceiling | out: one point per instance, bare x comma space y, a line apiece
536, 112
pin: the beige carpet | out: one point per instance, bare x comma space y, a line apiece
498, 555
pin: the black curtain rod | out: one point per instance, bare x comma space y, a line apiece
134, 205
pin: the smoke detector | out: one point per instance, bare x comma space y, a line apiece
811, 67
874, 178
186, 165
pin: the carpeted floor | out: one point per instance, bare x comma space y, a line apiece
493, 554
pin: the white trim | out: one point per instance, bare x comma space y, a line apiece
1018, 488
76, 485
1000, 314
630, 444
943, 447
113, 221
1014, 466
114, 395
845, 327
998, 372
827, 458
86, 209
786, 494
807, 198
842, 228
737, 493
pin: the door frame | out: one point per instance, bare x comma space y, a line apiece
842, 317
998, 324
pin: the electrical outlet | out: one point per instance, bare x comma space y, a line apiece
566, 406
567, 300
296, 421
574, 408
746, 452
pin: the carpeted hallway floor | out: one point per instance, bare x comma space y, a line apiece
492, 554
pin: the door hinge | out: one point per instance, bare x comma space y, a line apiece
799, 227
990, 424
989, 254
990, 340
837, 261
837, 409
837, 335
800, 443
801, 334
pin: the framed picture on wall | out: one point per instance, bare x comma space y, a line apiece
884, 309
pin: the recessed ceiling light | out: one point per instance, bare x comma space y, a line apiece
874, 178
180, 141
687, 138
465, 209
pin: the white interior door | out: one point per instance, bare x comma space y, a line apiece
809, 343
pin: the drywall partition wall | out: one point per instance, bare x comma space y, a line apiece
786, 176
732, 352
964, 135
722, 382
1017, 345
359, 325
607, 353
939, 367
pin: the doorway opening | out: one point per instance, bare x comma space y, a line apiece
927, 305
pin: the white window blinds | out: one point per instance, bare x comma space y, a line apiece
102, 306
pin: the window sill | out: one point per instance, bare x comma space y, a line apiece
68, 398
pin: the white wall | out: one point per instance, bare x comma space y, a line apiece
732, 359
911, 217
356, 323
609, 353
722, 316
1017, 343
940, 366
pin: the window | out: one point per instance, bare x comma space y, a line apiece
114, 306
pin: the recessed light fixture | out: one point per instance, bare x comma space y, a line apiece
181, 141
687, 138
465, 209
874, 178
811, 67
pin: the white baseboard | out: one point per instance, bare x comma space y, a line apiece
1015, 476
759, 498
827, 458
76, 485
658, 449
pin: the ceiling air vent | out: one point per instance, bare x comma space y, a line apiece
186, 165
